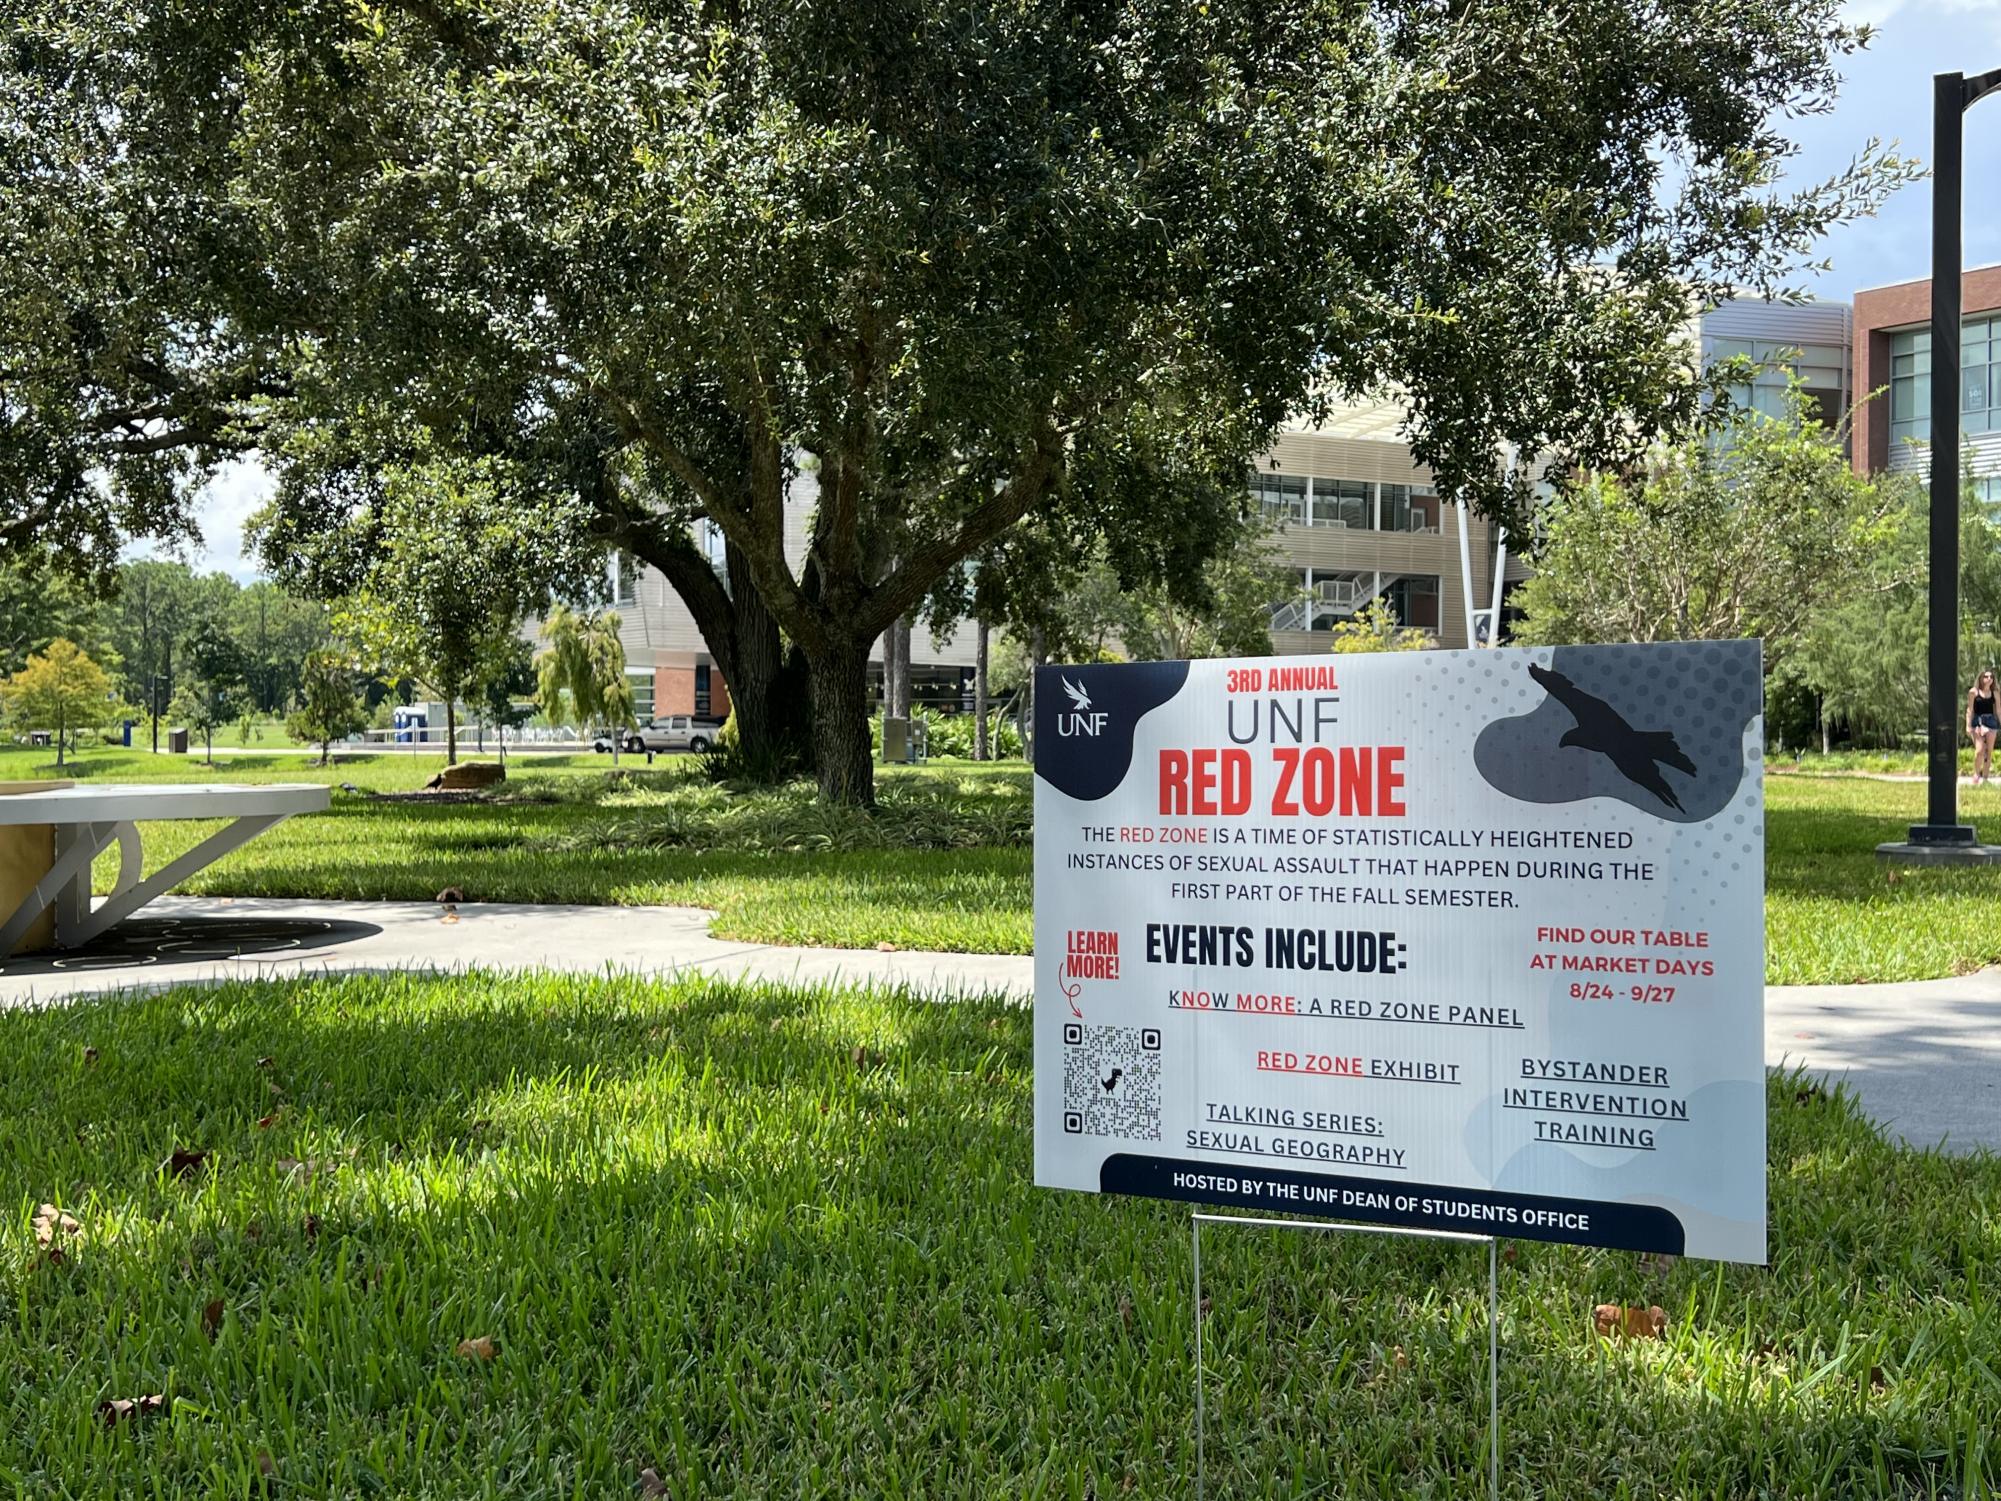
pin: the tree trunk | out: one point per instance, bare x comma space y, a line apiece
1037, 655
901, 631
839, 681
981, 750
451, 731
767, 684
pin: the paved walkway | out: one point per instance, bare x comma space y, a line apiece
1924, 1058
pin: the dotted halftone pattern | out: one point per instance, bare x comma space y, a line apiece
1702, 692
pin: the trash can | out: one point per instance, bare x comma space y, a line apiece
127, 740
177, 742
895, 739
27, 853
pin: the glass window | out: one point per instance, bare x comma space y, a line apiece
702, 690
1341, 502
641, 682
1973, 389
1282, 496
1413, 599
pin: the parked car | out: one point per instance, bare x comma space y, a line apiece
673, 732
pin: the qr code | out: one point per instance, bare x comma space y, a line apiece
1111, 1081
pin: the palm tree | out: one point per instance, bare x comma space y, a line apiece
585, 663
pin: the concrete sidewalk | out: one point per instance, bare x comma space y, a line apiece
1924, 1058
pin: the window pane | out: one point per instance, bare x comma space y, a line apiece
1904, 364
1901, 405
1973, 389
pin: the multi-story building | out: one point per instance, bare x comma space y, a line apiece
1893, 354
1361, 521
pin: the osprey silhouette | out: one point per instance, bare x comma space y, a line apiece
1078, 696
1639, 754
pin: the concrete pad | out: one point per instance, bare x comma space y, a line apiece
1923, 1058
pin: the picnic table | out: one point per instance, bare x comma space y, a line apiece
89, 820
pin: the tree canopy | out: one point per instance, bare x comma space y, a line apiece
971, 264
1743, 533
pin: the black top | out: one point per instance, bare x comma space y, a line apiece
1982, 705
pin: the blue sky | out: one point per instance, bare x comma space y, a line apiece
1888, 93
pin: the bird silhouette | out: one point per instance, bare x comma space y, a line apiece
1639, 754
1078, 696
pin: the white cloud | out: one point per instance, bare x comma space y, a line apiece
221, 509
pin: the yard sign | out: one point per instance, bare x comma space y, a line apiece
1458, 940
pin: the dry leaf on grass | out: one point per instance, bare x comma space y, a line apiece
311, 1225
211, 1317
266, 1122
185, 1162
650, 1483
123, 1409
52, 1228
482, 1348
266, 1465
1629, 1321
90, 1055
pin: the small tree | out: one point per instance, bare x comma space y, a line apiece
1749, 532
585, 664
61, 690
329, 708
210, 691
500, 702
1376, 628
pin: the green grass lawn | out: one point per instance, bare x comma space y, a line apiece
947, 862
767, 1242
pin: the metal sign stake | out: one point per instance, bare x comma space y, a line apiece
1198, 1220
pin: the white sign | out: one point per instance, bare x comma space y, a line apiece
1461, 940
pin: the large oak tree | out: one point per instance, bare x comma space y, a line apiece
966, 262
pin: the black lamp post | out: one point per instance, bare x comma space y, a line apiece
1952, 95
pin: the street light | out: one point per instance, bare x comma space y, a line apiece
1943, 834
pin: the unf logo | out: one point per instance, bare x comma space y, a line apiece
1081, 720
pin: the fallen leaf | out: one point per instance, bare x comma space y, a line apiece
53, 1225
90, 1055
1399, 1359
311, 1225
1631, 1322
120, 1409
650, 1483
211, 1317
482, 1348
185, 1162
266, 1122
266, 1465
1509, 1255
1877, 1379
885, 948
451, 915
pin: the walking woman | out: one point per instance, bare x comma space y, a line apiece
1982, 724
